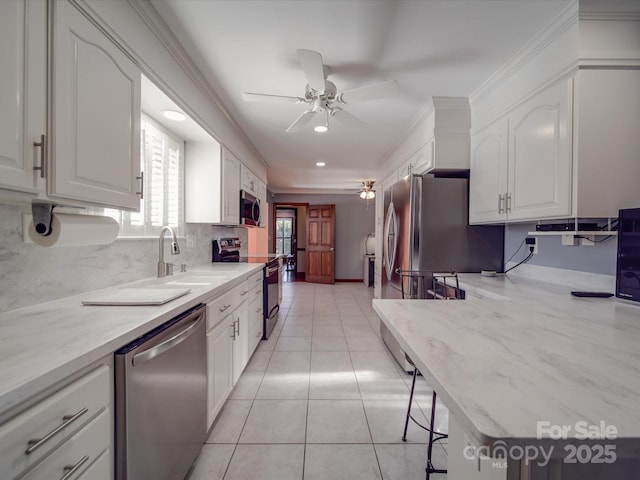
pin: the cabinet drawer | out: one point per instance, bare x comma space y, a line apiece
91, 392
222, 306
255, 279
80, 451
100, 469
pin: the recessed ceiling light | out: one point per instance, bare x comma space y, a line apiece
320, 164
174, 115
321, 128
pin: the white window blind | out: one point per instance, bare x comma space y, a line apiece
162, 163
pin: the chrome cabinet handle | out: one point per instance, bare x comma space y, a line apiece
36, 443
43, 156
225, 308
244, 293
258, 292
69, 470
508, 203
141, 192
258, 310
167, 344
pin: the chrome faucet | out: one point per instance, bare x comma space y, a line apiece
165, 269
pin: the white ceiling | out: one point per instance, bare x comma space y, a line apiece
431, 47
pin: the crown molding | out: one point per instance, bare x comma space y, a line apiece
149, 15
567, 18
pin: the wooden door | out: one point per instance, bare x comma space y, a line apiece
321, 244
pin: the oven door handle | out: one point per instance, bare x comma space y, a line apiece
168, 344
272, 313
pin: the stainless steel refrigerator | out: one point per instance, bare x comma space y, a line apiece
426, 230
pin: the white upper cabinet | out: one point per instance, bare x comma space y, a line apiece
23, 31
231, 187
521, 164
248, 181
488, 178
95, 148
540, 155
70, 109
212, 184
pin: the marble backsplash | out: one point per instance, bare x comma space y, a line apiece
30, 274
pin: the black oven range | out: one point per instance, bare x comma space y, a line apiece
227, 249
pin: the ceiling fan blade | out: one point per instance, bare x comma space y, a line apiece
346, 118
313, 68
301, 121
370, 92
265, 97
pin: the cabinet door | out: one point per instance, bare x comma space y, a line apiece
241, 340
96, 115
219, 357
23, 28
255, 324
248, 181
540, 146
488, 178
230, 188
423, 160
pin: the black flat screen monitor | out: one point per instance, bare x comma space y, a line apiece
628, 265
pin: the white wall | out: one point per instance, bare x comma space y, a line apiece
354, 220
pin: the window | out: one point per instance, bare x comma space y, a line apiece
162, 162
284, 235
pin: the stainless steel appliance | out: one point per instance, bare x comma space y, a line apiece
228, 250
249, 209
426, 230
161, 400
272, 279
628, 261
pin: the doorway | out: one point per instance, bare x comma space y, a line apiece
289, 238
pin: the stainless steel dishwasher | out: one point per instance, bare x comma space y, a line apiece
161, 400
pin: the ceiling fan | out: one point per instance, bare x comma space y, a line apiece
322, 96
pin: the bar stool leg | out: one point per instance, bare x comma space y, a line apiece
430, 468
406, 420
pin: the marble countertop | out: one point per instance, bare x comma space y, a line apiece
519, 351
43, 344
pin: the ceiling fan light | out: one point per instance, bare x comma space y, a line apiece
370, 194
363, 194
320, 128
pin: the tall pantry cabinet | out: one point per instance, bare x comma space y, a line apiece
72, 133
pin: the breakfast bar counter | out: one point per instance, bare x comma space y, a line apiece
519, 359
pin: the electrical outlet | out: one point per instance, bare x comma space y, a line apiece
532, 242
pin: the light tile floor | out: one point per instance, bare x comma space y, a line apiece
322, 399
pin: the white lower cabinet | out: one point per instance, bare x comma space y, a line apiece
219, 355
231, 340
240, 340
463, 461
71, 428
77, 453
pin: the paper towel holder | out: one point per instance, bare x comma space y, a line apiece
42, 216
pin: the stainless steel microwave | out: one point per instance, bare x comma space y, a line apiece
628, 264
249, 209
